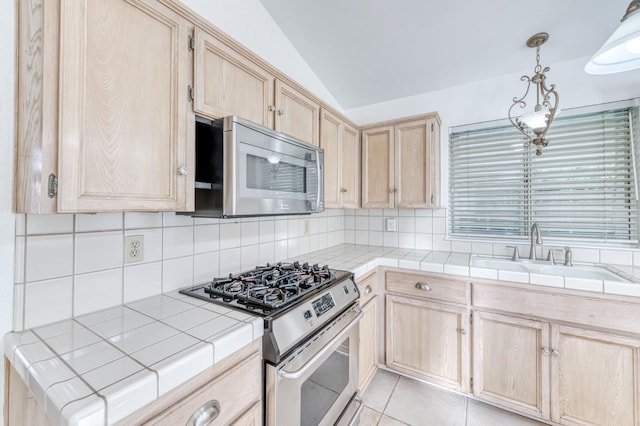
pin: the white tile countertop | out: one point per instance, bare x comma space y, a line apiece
101, 367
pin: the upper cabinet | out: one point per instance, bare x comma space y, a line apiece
228, 82
341, 144
401, 164
104, 119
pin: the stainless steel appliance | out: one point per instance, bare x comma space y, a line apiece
311, 338
243, 169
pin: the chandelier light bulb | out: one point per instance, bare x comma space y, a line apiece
633, 45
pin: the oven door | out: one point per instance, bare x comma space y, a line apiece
316, 382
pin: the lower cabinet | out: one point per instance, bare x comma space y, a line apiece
368, 349
568, 375
428, 340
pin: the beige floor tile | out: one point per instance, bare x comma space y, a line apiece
377, 394
369, 417
479, 414
389, 421
416, 404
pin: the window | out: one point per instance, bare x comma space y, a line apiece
582, 188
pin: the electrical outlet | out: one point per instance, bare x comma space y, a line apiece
391, 224
133, 248
305, 227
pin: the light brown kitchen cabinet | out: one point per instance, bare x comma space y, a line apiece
369, 331
568, 375
297, 115
104, 120
401, 164
341, 144
228, 83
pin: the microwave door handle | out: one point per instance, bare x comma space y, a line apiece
328, 347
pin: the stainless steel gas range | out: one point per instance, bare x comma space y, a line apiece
310, 343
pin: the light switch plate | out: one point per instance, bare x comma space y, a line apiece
391, 224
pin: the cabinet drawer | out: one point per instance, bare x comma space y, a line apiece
368, 288
428, 286
235, 391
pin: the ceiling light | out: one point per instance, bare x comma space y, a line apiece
535, 124
621, 52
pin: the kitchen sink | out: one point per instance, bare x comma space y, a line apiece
595, 272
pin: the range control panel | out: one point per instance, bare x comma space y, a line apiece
323, 304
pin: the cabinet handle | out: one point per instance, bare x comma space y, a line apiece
205, 414
390, 190
367, 290
555, 352
280, 112
343, 190
183, 171
423, 286
395, 190
461, 331
545, 351
271, 108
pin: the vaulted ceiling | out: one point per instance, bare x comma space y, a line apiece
370, 51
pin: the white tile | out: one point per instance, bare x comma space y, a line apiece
111, 373
390, 239
76, 339
293, 228
98, 290
461, 246
362, 223
173, 219
349, 236
518, 277
57, 328
98, 222
491, 274
376, 212
49, 256
362, 237
376, 238
218, 325
616, 257
105, 315
44, 374
152, 251
177, 242
424, 241
547, 280
406, 212
98, 251
120, 325
266, 253
92, 356
28, 354
424, 213
63, 393
440, 243
189, 319
164, 349
406, 224
142, 337
133, 220
19, 258
362, 212
349, 223
142, 281
624, 289
390, 213
18, 307
305, 245
230, 261
177, 273
129, 395
424, 225
584, 284
47, 301
314, 226
585, 255
165, 310
21, 224
482, 248
280, 250
456, 270
90, 410
280, 229
206, 221
14, 340
439, 225
249, 233
250, 256
231, 340
229, 235
179, 368
409, 264
206, 238
267, 231
385, 261
49, 223
406, 240
293, 247
205, 267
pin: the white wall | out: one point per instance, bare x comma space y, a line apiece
248, 22
7, 228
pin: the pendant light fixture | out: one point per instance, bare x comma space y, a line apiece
535, 124
621, 52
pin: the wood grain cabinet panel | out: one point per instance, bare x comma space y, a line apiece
368, 350
341, 145
296, 114
378, 167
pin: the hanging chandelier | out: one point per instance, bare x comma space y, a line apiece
535, 124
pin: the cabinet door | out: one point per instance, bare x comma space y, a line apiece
330, 141
296, 114
251, 417
126, 125
595, 378
368, 350
412, 165
428, 341
377, 168
511, 363
350, 182
227, 83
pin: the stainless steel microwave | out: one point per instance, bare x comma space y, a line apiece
244, 169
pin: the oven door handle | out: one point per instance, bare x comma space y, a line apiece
329, 347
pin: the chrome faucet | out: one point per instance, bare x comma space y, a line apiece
535, 233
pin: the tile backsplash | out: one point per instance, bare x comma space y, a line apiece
68, 265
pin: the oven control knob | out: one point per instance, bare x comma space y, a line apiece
346, 290
307, 314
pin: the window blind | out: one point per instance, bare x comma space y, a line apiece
583, 187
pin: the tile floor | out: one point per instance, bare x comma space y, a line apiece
393, 400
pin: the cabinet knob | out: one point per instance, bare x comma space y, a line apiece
367, 290
183, 171
545, 351
395, 190
390, 190
423, 286
555, 352
343, 190
280, 112
461, 331
271, 108
205, 414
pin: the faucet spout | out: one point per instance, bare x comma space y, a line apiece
536, 239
